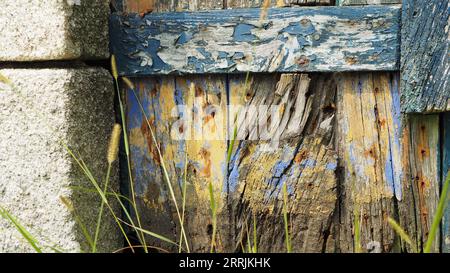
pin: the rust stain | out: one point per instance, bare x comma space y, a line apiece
371, 152
382, 122
140, 6
305, 22
206, 158
422, 185
301, 156
422, 147
351, 60
148, 136
154, 91
181, 129
303, 60
198, 91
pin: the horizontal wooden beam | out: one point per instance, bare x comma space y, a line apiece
312, 39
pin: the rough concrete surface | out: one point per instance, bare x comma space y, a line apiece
36, 30
48, 105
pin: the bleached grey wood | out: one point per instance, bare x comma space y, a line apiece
425, 56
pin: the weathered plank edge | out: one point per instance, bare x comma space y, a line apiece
425, 50
445, 169
138, 41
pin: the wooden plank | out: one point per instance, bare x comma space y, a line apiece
151, 191
325, 39
445, 169
421, 191
206, 152
302, 157
273, 3
370, 155
367, 2
199, 137
425, 56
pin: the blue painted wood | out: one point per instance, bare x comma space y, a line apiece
445, 170
230, 41
425, 56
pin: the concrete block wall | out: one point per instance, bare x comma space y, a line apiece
54, 102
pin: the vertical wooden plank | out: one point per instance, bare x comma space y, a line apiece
421, 193
303, 159
187, 116
206, 150
425, 56
153, 200
445, 169
370, 153
188, 123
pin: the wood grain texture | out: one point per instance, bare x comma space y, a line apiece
203, 145
421, 189
445, 170
370, 157
425, 56
304, 159
248, 188
324, 39
274, 3
367, 2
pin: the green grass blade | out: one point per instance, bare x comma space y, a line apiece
100, 214
438, 216
212, 202
183, 209
21, 229
402, 233
160, 237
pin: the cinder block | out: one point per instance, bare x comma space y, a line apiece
46, 108
37, 30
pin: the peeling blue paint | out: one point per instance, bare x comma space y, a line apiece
299, 28
243, 33
331, 166
133, 35
184, 38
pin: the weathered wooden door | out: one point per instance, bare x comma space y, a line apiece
308, 99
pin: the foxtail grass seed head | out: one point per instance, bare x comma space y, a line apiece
67, 203
128, 82
114, 67
113, 148
4, 79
